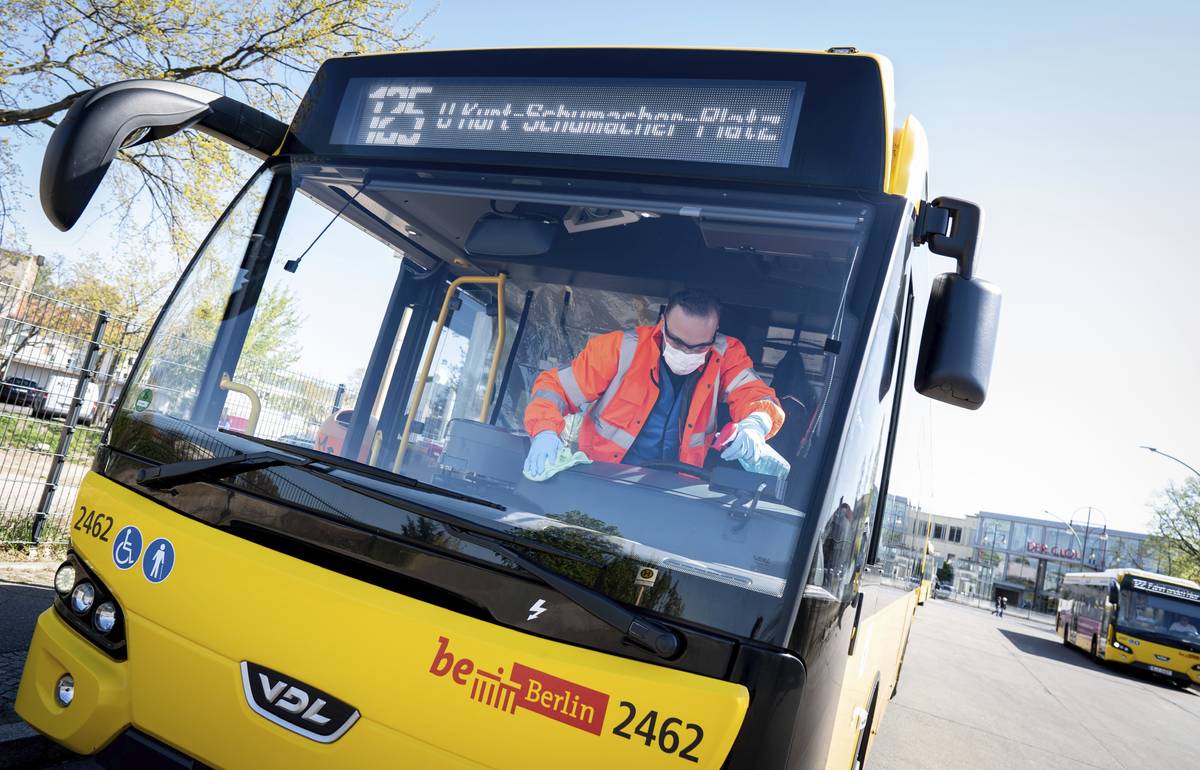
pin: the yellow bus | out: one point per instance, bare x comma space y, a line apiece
1140, 619
308, 540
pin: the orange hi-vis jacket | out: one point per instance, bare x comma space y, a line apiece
614, 378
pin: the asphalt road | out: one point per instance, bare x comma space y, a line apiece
24, 594
981, 692
20, 604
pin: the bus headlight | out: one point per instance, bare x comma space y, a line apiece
1121, 647
64, 578
82, 597
1196, 667
105, 617
64, 690
89, 607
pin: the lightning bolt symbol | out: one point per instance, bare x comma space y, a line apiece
537, 609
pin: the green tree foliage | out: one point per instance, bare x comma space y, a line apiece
262, 52
945, 573
1176, 535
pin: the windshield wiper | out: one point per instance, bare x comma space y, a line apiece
645, 633
217, 468
214, 468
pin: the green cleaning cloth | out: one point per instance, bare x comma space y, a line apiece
566, 459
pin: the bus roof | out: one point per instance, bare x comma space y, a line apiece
1118, 574
784, 117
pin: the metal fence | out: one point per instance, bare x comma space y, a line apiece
62, 366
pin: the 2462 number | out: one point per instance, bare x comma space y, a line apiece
666, 733
95, 524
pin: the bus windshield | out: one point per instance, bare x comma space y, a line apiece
359, 312
1163, 616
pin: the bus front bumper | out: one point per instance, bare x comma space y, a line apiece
100, 709
1182, 667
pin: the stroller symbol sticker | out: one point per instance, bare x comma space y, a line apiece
127, 547
159, 560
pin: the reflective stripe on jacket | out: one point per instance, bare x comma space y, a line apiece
613, 379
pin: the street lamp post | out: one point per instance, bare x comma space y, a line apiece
1185, 465
989, 553
1083, 548
1086, 532
1087, 528
1172, 457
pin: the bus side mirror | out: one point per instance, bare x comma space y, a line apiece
1114, 594
958, 342
134, 112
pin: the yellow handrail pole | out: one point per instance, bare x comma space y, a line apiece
248, 392
491, 380
428, 358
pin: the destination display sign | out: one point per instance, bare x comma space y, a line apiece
719, 122
1165, 589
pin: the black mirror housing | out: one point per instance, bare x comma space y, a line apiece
132, 112
958, 341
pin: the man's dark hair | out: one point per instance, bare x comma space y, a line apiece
696, 302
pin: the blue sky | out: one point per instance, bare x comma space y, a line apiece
1074, 126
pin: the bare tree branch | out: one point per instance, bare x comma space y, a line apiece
55, 53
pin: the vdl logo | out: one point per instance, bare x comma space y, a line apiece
296, 706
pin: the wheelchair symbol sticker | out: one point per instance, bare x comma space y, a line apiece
159, 561
127, 547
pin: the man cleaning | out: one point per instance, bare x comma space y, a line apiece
654, 392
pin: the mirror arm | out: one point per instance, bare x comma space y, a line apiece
951, 227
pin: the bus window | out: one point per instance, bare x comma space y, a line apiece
324, 345
1141, 611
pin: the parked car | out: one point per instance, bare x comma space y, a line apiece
55, 400
18, 390
942, 591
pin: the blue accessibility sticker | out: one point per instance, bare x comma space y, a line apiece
127, 547
159, 561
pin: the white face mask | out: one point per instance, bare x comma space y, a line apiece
682, 363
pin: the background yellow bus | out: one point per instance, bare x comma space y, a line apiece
1140, 619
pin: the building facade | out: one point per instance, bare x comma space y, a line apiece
951, 539
903, 544
1024, 559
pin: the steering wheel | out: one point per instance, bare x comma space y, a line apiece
676, 467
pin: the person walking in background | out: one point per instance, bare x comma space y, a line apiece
996, 608
1003, 605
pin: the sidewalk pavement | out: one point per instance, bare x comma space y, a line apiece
1045, 618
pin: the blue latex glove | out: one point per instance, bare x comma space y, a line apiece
749, 447
749, 439
542, 450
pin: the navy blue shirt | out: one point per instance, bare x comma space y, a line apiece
658, 440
